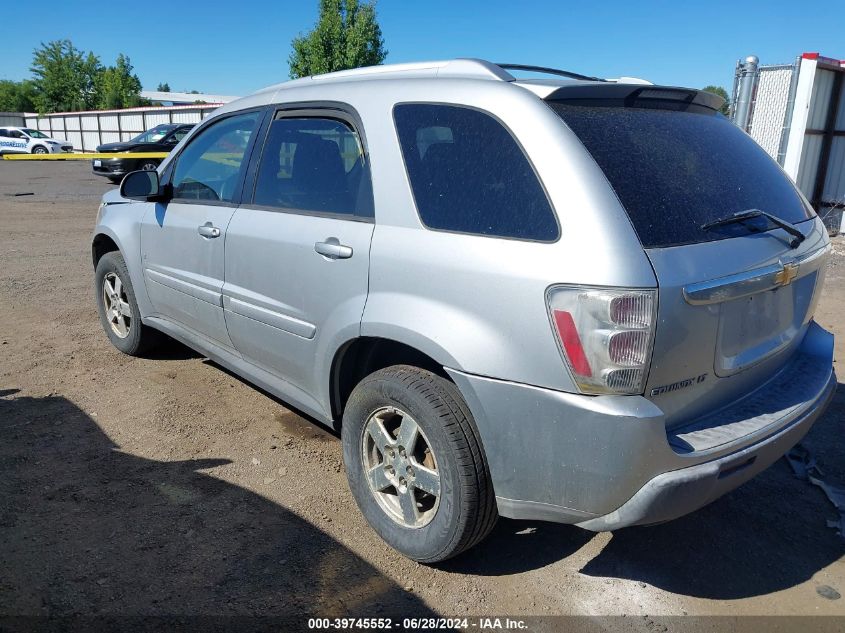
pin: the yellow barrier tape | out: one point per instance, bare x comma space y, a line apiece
84, 156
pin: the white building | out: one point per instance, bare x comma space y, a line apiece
183, 98
796, 112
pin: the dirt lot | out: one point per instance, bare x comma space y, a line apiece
168, 486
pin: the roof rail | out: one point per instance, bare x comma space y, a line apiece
461, 67
549, 71
466, 67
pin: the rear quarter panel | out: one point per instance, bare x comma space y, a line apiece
478, 303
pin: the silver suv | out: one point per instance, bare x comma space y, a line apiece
567, 299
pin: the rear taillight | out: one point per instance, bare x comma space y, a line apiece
605, 336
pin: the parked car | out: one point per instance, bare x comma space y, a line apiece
24, 140
161, 138
566, 299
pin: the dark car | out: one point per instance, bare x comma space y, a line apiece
161, 138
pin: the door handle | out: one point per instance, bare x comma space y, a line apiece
208, 230
333, 249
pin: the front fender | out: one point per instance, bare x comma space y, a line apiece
121, 222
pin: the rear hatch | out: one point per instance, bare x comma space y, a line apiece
735, 293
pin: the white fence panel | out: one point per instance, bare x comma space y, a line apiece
13, 118
87, 130
75, 139
90, 122
157, 118
186, 117
90, 140
108, 123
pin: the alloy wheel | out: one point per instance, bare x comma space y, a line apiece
400, 467
116, 305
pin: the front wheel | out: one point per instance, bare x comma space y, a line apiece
39, 150
118, 308
415, 463
149, 165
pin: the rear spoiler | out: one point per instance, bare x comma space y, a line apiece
631, 95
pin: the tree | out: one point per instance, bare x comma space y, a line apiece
65, 78
117, 86
17, 96
347, 35
165, 87
718, 90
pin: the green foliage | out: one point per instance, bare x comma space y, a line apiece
117, 87
165, 87
347, 35
66, 79
17, 96
718, 90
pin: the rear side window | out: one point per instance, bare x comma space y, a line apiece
674, 171
314, 164
469, 175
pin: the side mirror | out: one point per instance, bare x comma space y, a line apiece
141, 185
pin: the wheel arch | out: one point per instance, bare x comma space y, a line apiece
101, 244
363, 355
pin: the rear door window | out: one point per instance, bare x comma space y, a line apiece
674, 171
469, 175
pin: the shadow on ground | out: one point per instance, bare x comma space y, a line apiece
87, 529
766, 536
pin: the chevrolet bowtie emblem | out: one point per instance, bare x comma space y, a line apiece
785, 276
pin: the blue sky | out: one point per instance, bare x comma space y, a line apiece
237, 47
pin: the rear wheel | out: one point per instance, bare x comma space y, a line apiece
415, 464
118, 309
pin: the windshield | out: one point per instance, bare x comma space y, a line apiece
674, 171
154, 135
35, 133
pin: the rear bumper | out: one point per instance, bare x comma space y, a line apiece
679, 492
606, 462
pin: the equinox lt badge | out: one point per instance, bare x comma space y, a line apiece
675, 386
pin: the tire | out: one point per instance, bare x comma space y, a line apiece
133, 338
148, 165
39, 149
465, 510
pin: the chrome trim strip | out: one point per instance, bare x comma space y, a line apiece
733, 286
749, 282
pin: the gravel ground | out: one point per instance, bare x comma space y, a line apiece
169, 486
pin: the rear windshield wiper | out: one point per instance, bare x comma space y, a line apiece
741, 216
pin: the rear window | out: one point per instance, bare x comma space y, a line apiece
469, 175
674, 171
